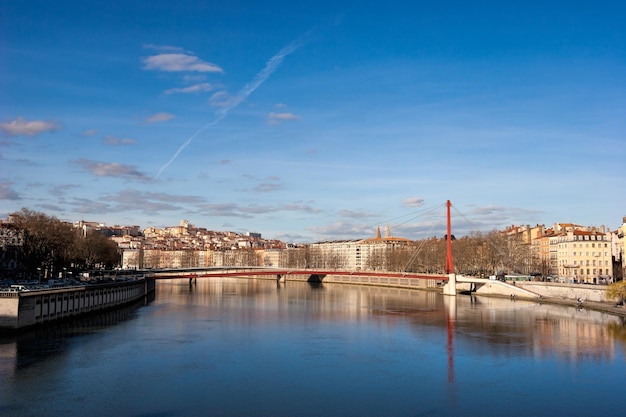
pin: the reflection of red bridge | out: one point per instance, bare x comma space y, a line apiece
390, 279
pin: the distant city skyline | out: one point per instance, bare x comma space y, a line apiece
462, 226
314, 122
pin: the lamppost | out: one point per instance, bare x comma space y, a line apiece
39, 275
64, 274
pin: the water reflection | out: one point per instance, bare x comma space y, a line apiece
513, 327
39, 344
502, 326
237, 347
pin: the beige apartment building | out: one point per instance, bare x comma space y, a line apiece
356, 255
576, 254
571, 252
541, 251
138, 258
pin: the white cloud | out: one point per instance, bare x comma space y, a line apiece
164, 48
148, 202
90, 132
23, 127
8, 193
351, 214
343, 230
160, 117
112, 169
275, 118
297, 206
267, 187
223, 99
414, 202
179, 62
193, 78
224, 210
196, 88
115, 141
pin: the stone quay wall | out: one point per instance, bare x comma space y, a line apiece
30, 308
596, 293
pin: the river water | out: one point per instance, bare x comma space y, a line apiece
239, 347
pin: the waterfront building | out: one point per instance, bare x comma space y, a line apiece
118, 231
272, 257
530, 248
540, 246
375, 253
582, 254
569, 252
338, 254
361, 254
619, 246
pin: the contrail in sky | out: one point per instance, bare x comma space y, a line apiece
270, 66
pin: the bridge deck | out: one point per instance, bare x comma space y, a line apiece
211, 272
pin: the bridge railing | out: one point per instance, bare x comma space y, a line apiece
247, 271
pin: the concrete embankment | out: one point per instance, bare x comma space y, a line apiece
21, 309
592, 297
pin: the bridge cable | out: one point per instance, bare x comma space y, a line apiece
422, 243
490, 241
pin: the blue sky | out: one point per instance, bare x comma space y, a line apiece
314, 122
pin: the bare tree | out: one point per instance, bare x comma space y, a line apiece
49, 244
376, 259
95, 250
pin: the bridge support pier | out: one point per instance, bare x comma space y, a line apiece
280, 277
450, 287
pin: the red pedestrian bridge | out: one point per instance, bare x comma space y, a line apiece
401, 279
380, 278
